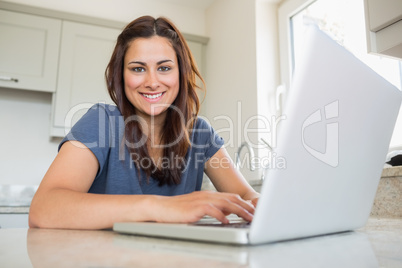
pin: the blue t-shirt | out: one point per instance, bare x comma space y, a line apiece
101, 129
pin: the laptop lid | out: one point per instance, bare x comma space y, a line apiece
340, 116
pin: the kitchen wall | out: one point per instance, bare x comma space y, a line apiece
236, 89
242, 72
26, 149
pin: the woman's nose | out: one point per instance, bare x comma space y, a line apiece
152, 81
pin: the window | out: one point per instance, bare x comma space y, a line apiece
344, 21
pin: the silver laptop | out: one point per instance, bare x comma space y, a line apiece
334, 141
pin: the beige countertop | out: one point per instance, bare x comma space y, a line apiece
388, 199
378, 244
391, 172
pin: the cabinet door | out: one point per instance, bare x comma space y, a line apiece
29, 49
84, 55
197, 49
383, 27
383, 13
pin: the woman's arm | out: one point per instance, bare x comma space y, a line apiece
226, 178
63, 201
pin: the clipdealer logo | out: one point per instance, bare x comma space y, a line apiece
331, 154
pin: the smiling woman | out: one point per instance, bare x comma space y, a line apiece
143, 159
155, 56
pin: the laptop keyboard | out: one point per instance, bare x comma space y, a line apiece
229, 225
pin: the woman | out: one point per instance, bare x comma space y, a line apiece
144, 159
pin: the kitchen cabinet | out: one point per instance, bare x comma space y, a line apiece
84, 55
384, 27
29, 50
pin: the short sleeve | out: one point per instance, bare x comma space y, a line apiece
93, 130
206, 138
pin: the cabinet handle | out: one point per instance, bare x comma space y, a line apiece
7, 78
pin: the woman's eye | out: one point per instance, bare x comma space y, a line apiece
164, 68
138, 69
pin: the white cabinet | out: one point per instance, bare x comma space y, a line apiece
84, 54
384, 27
29, 50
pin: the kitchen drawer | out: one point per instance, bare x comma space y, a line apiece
14, 220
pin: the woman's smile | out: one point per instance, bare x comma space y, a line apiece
153, 97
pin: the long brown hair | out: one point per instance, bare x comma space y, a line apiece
179, 121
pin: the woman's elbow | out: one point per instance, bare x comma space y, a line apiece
32, 221
37, 215
34, 217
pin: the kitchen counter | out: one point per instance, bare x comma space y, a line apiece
14, 210
14, 205
388, 199
379, 243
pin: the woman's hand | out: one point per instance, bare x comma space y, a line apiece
226, 178
192, 207
252, 197
254, 201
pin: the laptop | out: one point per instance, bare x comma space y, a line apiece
340, 116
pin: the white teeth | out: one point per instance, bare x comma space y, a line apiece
152, 96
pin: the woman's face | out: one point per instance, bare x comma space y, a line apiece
151, 75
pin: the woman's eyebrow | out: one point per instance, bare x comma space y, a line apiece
144, 64
163, 61
137, 62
